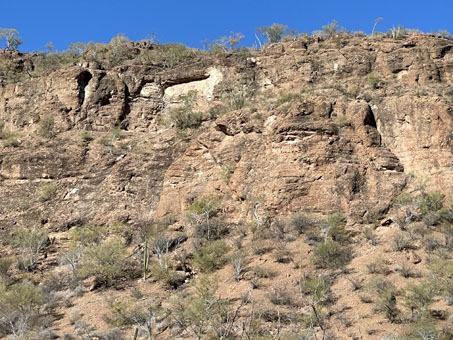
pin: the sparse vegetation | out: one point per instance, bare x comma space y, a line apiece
211, 256
30, 242
183, 117
331, 255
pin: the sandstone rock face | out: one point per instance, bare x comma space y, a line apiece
369, 113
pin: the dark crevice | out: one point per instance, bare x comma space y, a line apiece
82, 81
171, 82
369, 119
125, 110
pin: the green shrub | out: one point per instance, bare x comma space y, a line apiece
373, 80
317, 287
386, 298
30, 242
183, 117
87, 235
286, 98
273, 33
430, 202
330, 30
211, 256
46, 126
301, 223
105, 261
5, 264
442, 277
281, 297
337, 231
47, 191
331, 255
18, 304
167, 275
418, 298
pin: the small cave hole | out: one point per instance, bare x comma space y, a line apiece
82, 81
369, 119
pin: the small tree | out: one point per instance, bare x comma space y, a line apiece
18, 304
30, 242
11, 36
273, 33
330, 30
202, 210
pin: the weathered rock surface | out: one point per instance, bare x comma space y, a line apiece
371, 112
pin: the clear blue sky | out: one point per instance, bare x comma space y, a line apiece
189, 22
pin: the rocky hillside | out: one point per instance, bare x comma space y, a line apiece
302, 191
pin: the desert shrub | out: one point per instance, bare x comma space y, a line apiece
193, 311
19, 305
30, 242
373, 80
342, 120
301, 222
87, 235
213, 230
228, 171
281, 253
272, 33
183, 117
118, 45
167, 275
263, 272
286, 98
261, 247
442, 277
431, 243
105, 261
47, 191
317, 287
238, 260
211, 256
430, 202
385, 302
418, 298
400, 242
86, 136
330, 30
337, 231
423, 329
5, 264
174, 54
378, 267
280, 296
406, 270
370, 235
331, 255
237, 99
46, 126
201, 212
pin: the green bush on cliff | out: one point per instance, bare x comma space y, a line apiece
183, 117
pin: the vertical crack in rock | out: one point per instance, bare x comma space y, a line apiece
126, 109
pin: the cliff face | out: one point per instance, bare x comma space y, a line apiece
367, 114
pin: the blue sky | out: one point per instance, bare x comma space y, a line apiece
65, 21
